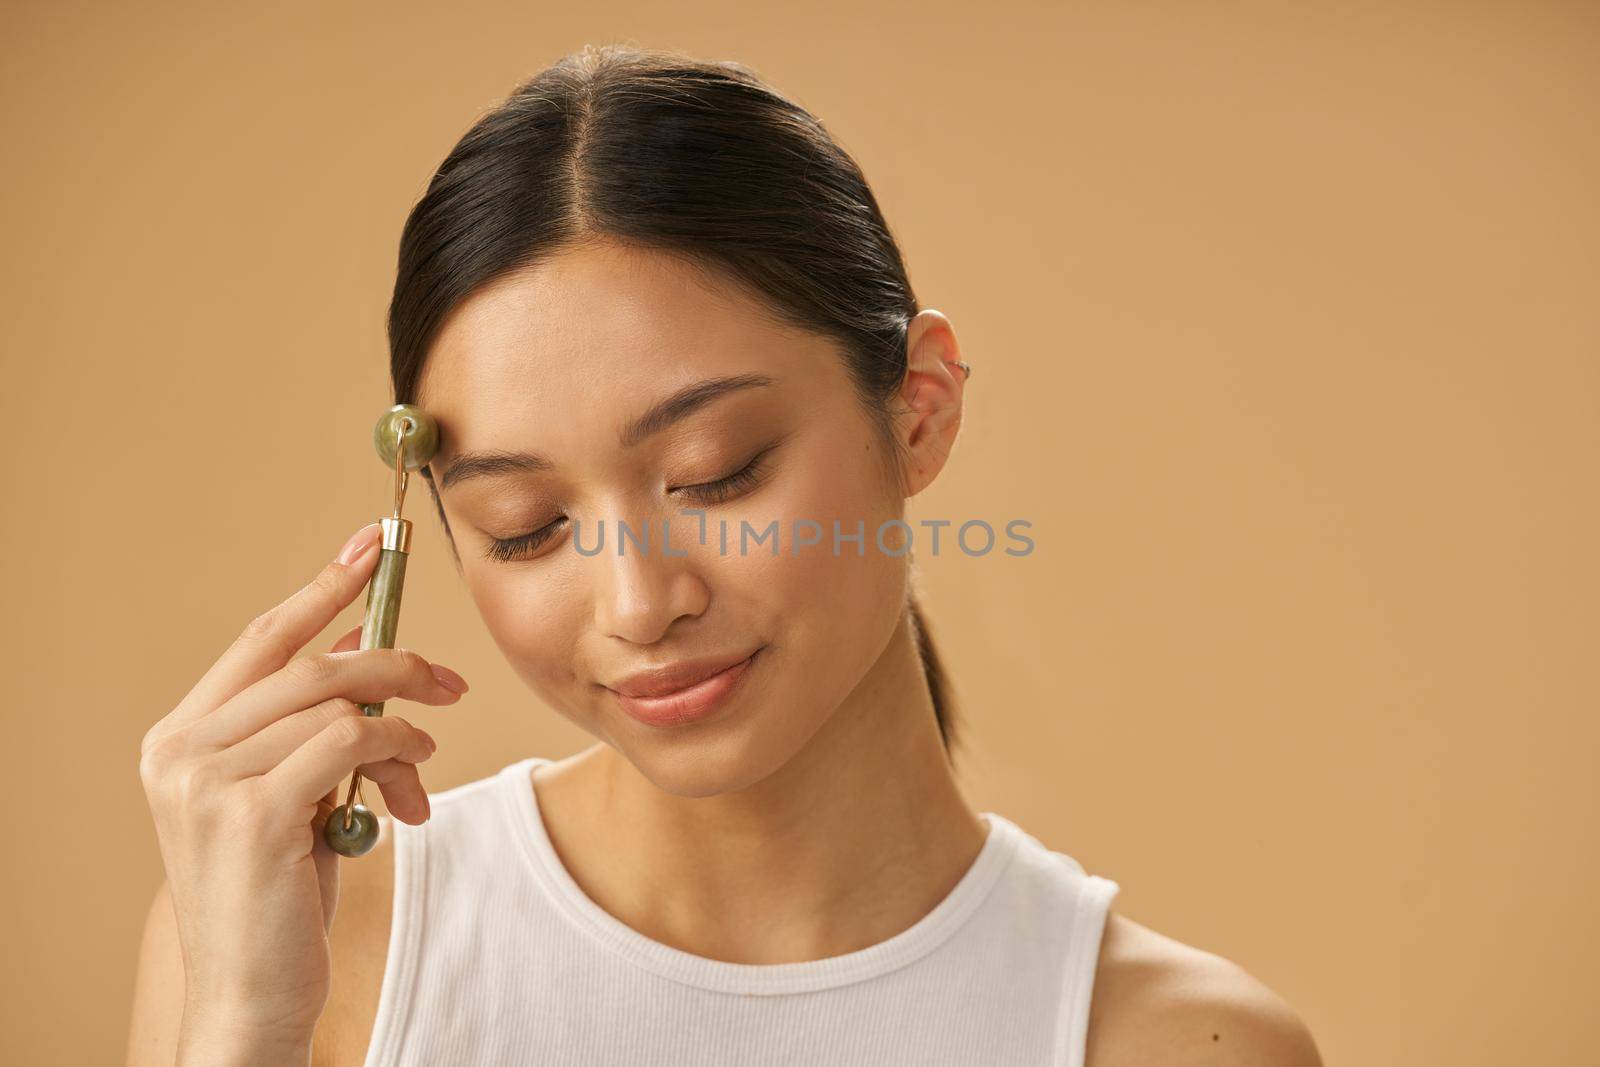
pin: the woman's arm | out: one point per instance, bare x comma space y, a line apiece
158, 1008
360, 939
157, 989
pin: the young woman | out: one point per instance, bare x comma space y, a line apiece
650, 290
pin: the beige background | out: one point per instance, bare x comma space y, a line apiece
1285, 332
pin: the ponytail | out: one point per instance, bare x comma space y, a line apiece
933, 671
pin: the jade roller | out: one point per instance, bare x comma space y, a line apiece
406, 438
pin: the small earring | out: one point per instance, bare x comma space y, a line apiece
966, 371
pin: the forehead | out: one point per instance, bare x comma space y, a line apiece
598, 332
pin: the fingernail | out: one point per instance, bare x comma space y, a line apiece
358, 543
449, 678
433, 746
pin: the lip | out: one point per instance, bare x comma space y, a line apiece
681, 693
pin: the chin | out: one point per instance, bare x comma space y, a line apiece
707, 765
715, 758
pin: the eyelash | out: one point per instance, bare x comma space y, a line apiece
711, 493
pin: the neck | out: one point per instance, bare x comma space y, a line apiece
856, 837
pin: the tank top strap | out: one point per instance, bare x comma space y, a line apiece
1088, 921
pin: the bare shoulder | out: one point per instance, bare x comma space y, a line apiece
359, 942
1162, 1003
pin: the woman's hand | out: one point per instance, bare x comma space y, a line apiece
240, 777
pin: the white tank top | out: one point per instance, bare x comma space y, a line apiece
497, 956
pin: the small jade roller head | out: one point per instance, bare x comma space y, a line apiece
358, 838
421, 440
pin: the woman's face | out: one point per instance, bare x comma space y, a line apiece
559, 361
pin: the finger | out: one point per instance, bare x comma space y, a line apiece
283, 738
272, 638
365, 676
271, 745
401, 785
349, 641
361, 741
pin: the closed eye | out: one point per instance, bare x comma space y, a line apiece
509, 549
714, 492
739, 481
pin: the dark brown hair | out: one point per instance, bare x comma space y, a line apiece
697, 159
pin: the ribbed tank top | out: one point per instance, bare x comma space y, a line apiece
497, 956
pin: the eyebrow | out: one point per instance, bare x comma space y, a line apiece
673, 409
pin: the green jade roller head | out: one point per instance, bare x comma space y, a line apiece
406, 438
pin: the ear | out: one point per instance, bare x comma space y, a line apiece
931, 398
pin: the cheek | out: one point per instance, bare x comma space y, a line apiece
831, 613
535, 618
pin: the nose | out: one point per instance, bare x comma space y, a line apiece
641, 590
